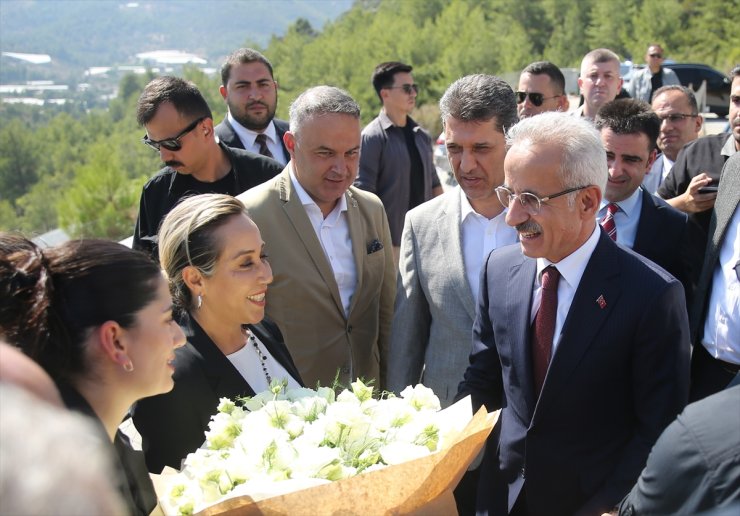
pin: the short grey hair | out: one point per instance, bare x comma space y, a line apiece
318, 101
584, 159
479, 98
186, 238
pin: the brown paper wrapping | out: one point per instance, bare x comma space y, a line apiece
420, 486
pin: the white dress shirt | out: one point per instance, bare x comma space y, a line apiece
333, 233
571, 270
722, 322
247, 361
480, 236
626, 219
657, 173
248, 137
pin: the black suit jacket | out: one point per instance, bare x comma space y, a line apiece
131, 475
225, 132
618, 376
667, 237
174, 424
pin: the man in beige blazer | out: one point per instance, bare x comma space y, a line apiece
329, 246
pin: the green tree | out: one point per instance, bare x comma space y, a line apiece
19, 160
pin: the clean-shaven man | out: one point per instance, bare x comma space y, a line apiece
599, 81
541, 88
654, 76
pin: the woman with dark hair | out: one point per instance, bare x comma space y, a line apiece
213, 256
97, 317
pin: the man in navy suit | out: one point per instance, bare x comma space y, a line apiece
639, 220
583, 344
250, 90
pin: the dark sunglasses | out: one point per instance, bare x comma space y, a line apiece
407, 88
657, 56
535, 98
171, 144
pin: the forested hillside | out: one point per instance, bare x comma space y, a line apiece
83, 170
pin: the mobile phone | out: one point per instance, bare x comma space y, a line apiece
708, 189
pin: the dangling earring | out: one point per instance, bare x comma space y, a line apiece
128, 367
200, 301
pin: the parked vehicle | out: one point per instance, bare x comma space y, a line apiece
718, 84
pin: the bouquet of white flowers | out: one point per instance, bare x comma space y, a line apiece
285, 441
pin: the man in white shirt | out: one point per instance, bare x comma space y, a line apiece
329, 246
631, 216
715, 315
582, 344
680, 123
599, 81
250, 91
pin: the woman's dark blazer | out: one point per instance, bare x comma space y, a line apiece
174, 424
132, 478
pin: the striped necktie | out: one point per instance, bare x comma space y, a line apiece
261, 140
608, 223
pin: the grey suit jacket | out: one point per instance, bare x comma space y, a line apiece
435, 309
304, 298
728, 198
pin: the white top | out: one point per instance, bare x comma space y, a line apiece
571, 270
722, 324
248, 363
248, 137
626, 219
657, 173
480, 236
333, 233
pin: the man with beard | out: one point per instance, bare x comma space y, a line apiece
699, 164
680, 124
250, 92
599, 81
179, 125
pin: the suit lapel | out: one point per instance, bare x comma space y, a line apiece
647, 229
519, 291
450, 233
357, 235
298, 218
586, 316
727, 201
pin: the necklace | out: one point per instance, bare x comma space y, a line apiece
262, 357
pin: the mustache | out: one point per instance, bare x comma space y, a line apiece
173, 163
528, 227
258, 102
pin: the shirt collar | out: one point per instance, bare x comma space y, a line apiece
571, 267
466, 209
306, 199
728, 149
627, 205
247, 135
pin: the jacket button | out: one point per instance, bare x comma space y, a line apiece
345, 370
523, 472
349, 329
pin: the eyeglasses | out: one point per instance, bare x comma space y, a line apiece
535, 98
657, 56
407, 88
675, 117
529, 201
171, 144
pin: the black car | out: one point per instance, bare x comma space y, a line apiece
718, 84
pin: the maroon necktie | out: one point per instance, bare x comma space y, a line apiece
608, 223
261, 140
544, 326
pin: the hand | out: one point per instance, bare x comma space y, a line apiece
691, 201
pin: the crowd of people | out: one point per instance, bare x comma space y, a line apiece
583, 277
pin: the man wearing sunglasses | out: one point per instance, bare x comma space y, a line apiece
396, 162
680, 123
647, 80
631, 216
179, 126
582, 344
541, 88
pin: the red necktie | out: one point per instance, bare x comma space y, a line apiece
544, 326
261, 140
608, 223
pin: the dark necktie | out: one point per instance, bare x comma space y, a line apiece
261, 140
544, 326
608, 223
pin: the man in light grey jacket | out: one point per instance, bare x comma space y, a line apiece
647, 80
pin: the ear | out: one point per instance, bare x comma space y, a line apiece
207, 126
651, 159
563, 103
112, 342
621, 83
699, 121
589, 201
193, 280
289, 141
580, 85
276, 84
222, 91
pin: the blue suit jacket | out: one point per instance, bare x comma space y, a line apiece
226, 134
618, 377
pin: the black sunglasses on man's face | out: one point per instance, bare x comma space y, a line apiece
171, 144
535, 98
